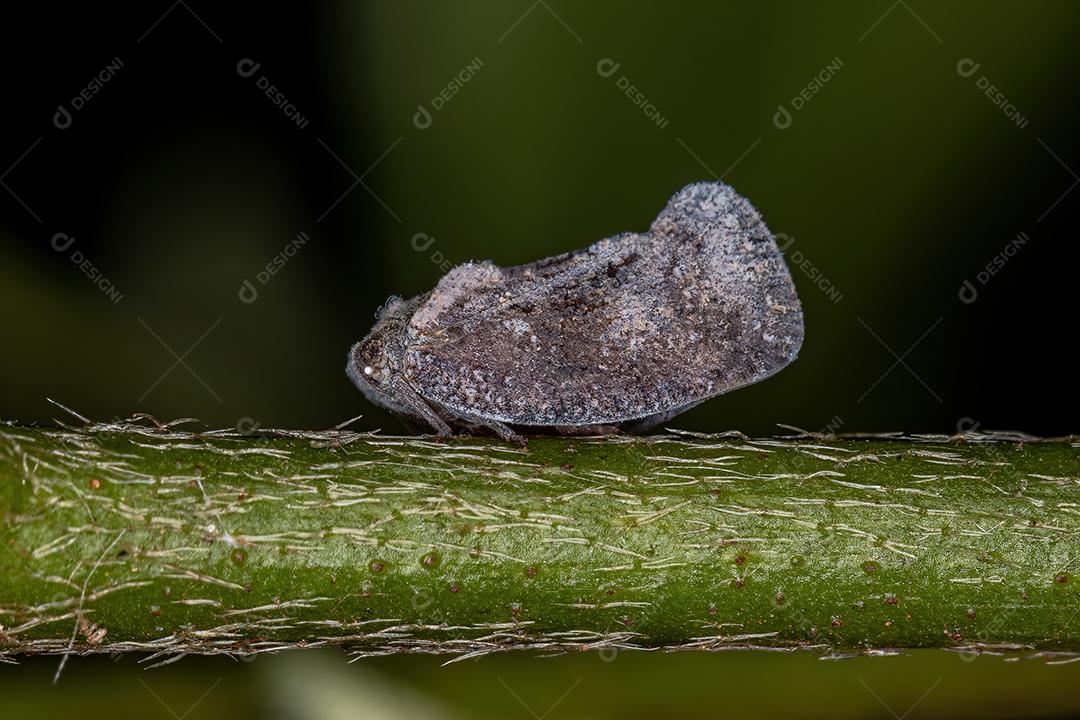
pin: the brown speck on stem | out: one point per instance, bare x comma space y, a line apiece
675, 570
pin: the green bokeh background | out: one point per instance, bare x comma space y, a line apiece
898, 180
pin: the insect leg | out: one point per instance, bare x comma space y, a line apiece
500, 429
409, 397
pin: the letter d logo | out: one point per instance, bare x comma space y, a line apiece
607, 67
421, 241
781, 118
967, 67
62, 241
422, 118
247, 67
247, 293
968, 294
61, 118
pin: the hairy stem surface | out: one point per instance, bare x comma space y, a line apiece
126, 537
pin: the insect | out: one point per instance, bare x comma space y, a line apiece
624, 334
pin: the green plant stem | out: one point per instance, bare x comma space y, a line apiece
127, 537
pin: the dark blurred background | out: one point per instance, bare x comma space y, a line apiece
203, 205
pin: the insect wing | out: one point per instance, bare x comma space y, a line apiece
634, 326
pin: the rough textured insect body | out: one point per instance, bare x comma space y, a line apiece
627, 333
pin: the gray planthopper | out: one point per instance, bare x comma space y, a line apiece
624, 334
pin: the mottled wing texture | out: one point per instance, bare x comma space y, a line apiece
635, 326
